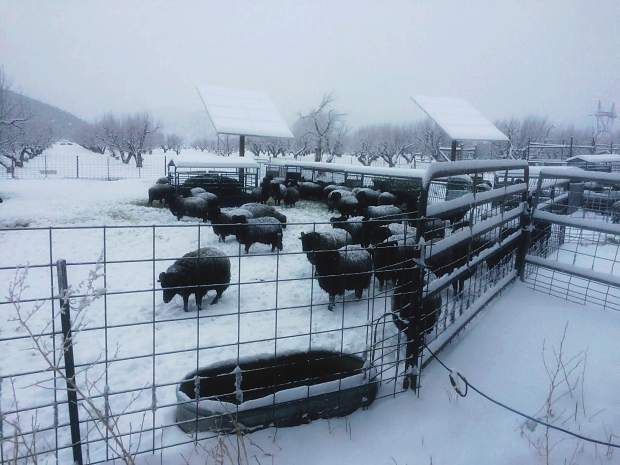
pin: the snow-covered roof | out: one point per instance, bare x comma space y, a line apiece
353, 169
242, 112
459, 119
607, 158
212, 161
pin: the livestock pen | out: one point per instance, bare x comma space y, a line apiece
132, 353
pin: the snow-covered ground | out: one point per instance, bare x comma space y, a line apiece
501, 352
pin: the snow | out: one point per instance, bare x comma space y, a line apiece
468, 201
465, 234
499, 351
607, 158
577, 174
580, 223
281, 396
241, 111
442, 170
459, 119
206, 160
604, 278
411, 173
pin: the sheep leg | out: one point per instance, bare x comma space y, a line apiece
358, 293
185, 302
217, 297
247, 248
199, 296
332, 302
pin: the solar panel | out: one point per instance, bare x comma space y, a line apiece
459, 119
243, 112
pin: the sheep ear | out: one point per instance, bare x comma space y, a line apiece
162, 275
302, 235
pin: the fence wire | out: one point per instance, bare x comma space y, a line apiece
139, 361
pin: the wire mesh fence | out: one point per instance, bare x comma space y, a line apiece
151, 376
574, 241
84, 165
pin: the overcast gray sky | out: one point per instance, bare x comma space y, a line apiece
509, 57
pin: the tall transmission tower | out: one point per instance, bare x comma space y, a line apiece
604, 120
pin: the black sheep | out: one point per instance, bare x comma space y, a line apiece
309, 190
197, 273
265, 230
392, 256
314, 242
384, 214
160, 192
387, 198
222, 221
349, 268
191, 206
264, 190
414, 322
277, 191
373, 233
351, 225
434, 228
347, 206
335, 196
366, 197
455, 257
263, 211
332, 187
163, 180
503, 250
406, 318
291, 196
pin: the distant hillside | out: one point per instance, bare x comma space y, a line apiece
63, 124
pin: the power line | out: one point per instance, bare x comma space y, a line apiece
468, 385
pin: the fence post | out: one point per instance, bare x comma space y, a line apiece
77, 166
107, 161
570, 150
45, 164
65, 319
529, 141
165, 167
525, 223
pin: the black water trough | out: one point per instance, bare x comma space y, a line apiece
288, 390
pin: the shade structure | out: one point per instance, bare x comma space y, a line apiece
242, 112
459, 119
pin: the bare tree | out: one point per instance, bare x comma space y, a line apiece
90, 138
138, 129
128, 138
428, 137
388, 142
172, 142
531, 128
12, 121
325, 126
202, 144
